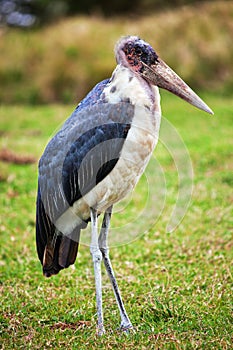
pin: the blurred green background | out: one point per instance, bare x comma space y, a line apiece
66, 47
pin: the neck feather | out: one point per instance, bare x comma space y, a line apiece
127, 86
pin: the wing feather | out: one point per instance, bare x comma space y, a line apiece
78, 157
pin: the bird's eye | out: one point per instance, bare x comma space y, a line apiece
138, 50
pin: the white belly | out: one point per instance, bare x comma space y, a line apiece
137, 149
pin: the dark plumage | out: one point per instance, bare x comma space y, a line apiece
74, 169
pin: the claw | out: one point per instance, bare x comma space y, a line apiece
127, 329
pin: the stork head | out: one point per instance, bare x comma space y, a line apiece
140, 57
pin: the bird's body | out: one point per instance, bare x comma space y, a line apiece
134, 153
123, 91
96, 159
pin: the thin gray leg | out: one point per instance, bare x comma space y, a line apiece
97, 257
125, 321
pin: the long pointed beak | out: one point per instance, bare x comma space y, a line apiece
164, 77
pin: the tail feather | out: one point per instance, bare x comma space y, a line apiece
60, 255
55, 250
67, 251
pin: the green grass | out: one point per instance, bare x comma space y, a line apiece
177, 286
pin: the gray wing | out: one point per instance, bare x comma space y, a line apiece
77, 158
74, 161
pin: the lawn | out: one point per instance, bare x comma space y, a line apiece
177, 286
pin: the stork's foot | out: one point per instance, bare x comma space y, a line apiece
100, 330
126, 328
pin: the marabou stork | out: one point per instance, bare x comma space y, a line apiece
98, 156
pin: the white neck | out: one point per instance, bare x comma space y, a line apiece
125, 85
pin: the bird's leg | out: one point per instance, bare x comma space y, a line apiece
97, 257
125, 322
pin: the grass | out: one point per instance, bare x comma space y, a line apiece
67, 58
177, 287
